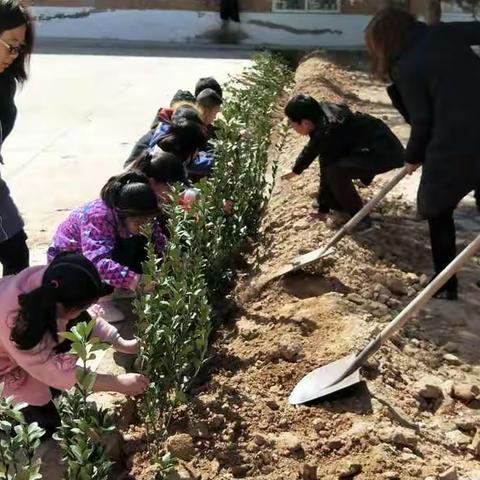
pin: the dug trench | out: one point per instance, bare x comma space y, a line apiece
415, 415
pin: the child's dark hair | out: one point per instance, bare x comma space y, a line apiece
182, 96
209, 98
14, 14
162, 166
186, 112
130, 195
304, 107
208, 82
184, 138
71, 280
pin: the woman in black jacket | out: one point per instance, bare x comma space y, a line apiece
435, 78
16, 43
348, 145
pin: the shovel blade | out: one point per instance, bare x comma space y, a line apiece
319, 383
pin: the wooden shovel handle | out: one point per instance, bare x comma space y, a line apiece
352, 223
414, 306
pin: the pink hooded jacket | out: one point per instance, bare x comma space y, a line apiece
42, 362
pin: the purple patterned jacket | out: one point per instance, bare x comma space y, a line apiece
92, 231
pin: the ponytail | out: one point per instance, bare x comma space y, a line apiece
37, 316
111, 191
70, 280
143, 164
162, 167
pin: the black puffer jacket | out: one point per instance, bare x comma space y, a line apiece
348, 139
437, 90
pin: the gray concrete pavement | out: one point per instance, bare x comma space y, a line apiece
78, 118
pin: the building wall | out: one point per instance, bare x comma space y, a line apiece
175, 26
358, 7
155, 21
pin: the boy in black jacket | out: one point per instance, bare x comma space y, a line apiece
349, 146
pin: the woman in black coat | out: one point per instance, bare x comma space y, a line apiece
435, 78
349, 145
16, 43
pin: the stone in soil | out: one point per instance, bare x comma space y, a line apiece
182, 472
452, 359
401, 437
391, 475
199, 430
289, 442
272, 404
396, 285
458, 438
181, 446
290, 349
475, 445
309, 472
247, 329
240, 471
430, 387
450, 474
351, 471
465, 392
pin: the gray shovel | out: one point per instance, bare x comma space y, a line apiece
345, 372
311, 257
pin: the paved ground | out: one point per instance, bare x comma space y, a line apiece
79, 116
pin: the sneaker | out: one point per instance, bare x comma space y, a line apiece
107, 311
364, 226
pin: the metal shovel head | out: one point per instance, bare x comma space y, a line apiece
320, 382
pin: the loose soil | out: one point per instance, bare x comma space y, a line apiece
402, 422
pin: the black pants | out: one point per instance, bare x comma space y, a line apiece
14, 254
443, 241
229, 10
131, 252
337, 191
46, 416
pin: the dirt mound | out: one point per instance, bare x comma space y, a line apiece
404, 423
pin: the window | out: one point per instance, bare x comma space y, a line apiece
306, 5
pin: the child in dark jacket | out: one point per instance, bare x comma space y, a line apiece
348, 145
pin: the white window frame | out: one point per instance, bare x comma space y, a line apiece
306, 9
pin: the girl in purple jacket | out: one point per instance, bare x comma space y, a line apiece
107, 231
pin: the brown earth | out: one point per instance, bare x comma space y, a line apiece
403, 422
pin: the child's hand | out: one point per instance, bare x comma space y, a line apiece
132, 384
288, 176
146, 284
130, 347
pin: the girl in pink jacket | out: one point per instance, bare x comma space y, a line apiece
35, 306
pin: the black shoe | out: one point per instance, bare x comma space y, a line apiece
364, 226
451, 295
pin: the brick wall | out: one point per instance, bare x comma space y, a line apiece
357, 7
